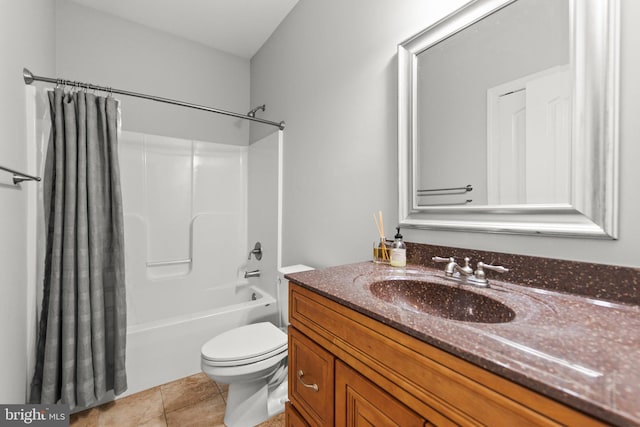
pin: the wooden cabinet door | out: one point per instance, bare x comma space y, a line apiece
360, 403
293, 418
310, 379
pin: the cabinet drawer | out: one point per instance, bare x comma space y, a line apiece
311, 375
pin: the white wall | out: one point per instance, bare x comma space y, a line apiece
330, 72
26, 40
97, 48
264, 207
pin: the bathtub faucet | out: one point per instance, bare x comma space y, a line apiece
252, 273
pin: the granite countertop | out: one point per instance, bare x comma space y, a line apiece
581, 351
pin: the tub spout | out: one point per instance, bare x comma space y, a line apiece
252, 273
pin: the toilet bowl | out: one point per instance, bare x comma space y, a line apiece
246, 358
252, 359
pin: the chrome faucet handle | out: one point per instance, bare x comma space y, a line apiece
256, 251
451, 266
480, 274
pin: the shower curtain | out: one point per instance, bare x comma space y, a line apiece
82, 331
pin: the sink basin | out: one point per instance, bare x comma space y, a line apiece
443, 301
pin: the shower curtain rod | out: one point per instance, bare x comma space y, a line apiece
29, 78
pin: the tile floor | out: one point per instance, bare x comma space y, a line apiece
191, 401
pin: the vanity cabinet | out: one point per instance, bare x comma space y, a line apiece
369, 373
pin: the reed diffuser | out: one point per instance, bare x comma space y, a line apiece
380, 249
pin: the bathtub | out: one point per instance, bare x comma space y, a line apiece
164, 350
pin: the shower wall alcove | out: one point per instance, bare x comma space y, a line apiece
185, 208
192, 211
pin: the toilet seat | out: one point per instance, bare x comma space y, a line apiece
244, 345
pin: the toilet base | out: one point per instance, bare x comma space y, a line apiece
246, 404
277, 398
250, 403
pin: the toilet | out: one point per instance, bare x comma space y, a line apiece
252, 359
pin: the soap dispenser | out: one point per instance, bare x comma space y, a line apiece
398, 251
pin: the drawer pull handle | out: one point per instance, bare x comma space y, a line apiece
312, 386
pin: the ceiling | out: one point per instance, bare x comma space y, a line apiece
239, 27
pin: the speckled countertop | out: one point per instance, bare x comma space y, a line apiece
581, 351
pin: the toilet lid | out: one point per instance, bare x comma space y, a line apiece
245, 342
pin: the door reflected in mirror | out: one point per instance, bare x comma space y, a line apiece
494, 108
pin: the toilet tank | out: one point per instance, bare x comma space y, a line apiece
283, 291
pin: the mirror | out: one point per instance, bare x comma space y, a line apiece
508, 119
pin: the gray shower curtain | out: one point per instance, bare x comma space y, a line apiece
82, 332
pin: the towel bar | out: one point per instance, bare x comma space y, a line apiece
18, 177
464, 189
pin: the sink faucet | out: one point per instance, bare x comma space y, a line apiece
465, 274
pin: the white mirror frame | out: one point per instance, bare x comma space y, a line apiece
592, 211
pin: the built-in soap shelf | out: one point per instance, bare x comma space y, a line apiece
171, 262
